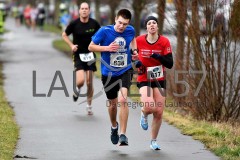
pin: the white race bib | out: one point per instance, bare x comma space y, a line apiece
118, 60
86, 57
155, 72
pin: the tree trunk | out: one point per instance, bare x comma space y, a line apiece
97, 11
56, 12
113, 5
137, 22
235, 21
181, 21
138, 6
161, 13
196, 34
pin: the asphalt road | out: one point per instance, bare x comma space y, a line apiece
53, 127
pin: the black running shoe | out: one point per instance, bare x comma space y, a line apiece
75, 97
123, 140
114, 135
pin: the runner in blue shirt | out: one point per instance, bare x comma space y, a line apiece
114, 43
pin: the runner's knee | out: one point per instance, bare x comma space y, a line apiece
122, 99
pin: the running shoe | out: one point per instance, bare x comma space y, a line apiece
75, 97
89, 110
76, 94
114, 135
123, 140
144, 121
154, 145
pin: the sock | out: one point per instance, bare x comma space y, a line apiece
114, 127
78, 89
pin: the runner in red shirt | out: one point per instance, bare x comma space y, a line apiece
27, 15
155, 54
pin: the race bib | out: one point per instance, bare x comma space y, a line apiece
86, 57
118, 60
155, 72
41, 16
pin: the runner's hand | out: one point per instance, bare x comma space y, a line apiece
134, 54
156, 56
74, 48
113, 47
138, 64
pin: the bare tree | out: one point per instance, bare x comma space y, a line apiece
138, 6
181, 7
161, 11
56, 12
235, 21
113, 5
97, 10
214, 60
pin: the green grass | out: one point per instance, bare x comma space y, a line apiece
223, 139
52, 29
62, 46
98, 65
8, 128
9, 131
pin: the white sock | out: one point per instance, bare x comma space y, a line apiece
78, 89
114, 127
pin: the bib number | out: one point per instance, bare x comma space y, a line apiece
86, 57
118, 60
155, 72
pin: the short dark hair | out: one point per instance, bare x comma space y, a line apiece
125, 13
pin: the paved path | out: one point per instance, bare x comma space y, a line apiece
55, 128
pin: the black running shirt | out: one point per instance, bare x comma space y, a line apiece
82, 33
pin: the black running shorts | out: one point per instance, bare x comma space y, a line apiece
154, 84
112, 87
80, 65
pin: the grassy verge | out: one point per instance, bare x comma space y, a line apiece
8, 128
62, 46
52, 29
221, 138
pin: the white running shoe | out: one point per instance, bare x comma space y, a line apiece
89, 110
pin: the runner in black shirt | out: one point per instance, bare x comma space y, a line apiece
82, 30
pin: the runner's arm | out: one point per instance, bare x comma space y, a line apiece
134, 49
69, 42
166, 60
113, 47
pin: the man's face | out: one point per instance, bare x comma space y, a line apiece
121, 24
84, 10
